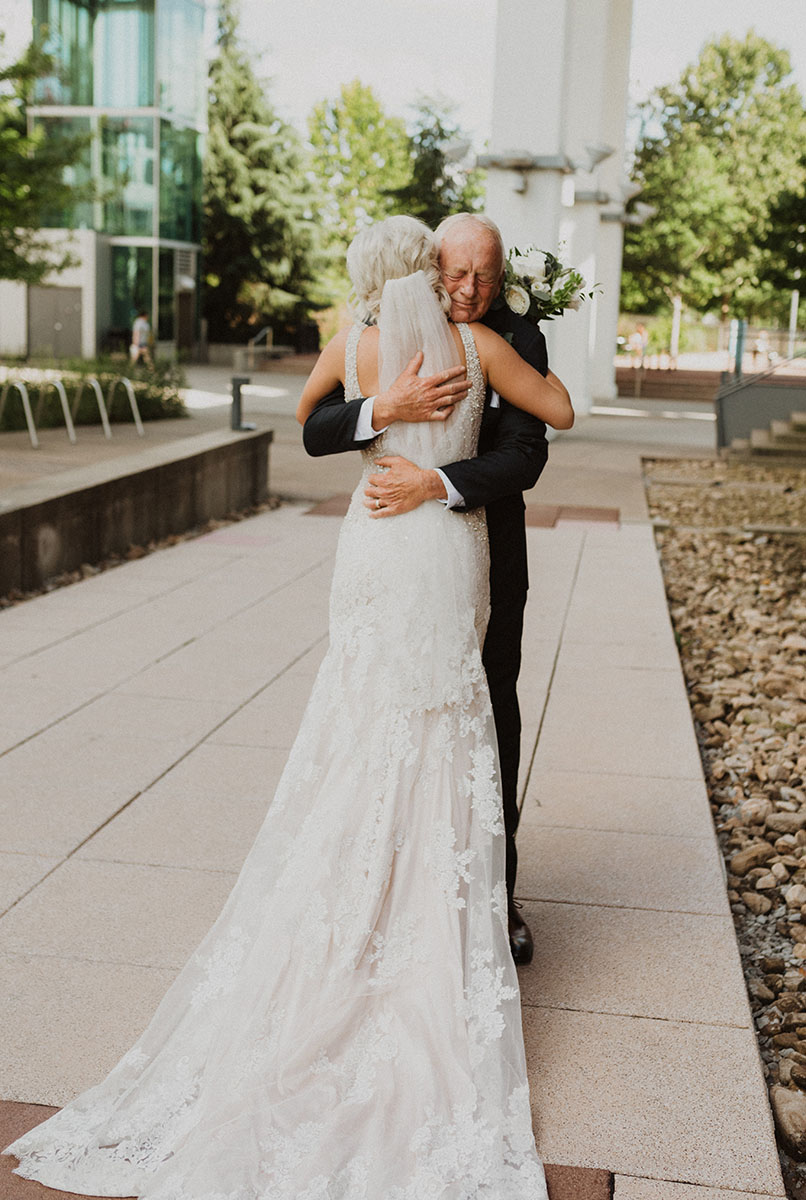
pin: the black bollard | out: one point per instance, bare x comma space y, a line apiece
236, 423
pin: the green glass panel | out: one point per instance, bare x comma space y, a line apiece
64, 28
180, 183
127, 168
181, 65
124, 53
78, 216
103, 52
165, 289
132, 273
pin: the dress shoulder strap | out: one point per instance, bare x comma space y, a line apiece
474, 371
351, 389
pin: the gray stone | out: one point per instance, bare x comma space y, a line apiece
753, 856
789, 1110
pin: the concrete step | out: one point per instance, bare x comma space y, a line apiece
762, 443
785, 432
798, 421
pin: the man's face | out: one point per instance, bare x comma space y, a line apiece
471, 268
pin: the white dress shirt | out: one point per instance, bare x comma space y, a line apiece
364, 432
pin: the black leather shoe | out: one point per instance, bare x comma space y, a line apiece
520, 937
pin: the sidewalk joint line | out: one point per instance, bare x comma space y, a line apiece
166, 771
161, 658
563, 622
685, 912
598, 1012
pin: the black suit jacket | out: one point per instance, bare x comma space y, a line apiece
512, 453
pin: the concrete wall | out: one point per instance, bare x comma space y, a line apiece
49, 528
754, 406
83, 244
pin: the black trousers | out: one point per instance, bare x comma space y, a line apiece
502, 662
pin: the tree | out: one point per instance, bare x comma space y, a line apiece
34, 177
717, 149
259, 236
785, 243
361, 155
439, 184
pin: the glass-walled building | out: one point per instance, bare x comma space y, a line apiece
131, 74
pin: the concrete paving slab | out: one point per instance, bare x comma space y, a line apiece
603, 614
55, 790
122, 714
660, 1098
653, 652
273, 717
618, 722
117, 913
629, 1188
19, 873
626, 803
675, 966
627, 870
225, 772
172, 825
72, 1020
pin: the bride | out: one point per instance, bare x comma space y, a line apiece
350, 1027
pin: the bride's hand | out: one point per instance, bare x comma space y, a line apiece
412, 398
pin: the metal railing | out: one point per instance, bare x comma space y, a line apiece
26, 405
70, 416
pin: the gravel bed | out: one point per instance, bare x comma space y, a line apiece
738, 606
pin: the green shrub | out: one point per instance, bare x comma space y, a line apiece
156, 389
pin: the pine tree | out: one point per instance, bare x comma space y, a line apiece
260, 236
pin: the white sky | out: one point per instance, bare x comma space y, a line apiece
408, 48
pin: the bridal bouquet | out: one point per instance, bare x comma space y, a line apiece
537, 285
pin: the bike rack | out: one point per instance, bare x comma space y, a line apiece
26, 404
96, 387
62, 394
127, 385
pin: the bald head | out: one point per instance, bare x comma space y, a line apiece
471, 261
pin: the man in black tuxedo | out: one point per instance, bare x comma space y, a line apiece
511, 454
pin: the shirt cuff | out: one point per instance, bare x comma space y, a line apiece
454, 499
363, 426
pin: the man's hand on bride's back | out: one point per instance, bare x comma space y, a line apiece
412, 398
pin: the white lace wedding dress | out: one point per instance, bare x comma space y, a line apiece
350, 1028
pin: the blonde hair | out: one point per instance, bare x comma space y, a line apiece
465, 218
391, 249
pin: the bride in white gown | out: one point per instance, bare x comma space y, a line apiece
350, 1027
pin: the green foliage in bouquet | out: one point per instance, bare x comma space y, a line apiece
539, 287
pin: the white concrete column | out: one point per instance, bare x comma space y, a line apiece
559, 102
614, 182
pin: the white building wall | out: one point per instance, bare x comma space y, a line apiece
81, 243
13, 318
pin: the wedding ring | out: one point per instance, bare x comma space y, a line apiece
378, 503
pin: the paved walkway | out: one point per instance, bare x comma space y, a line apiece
151, 710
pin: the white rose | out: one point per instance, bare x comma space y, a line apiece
541, 291
517, 299
531, 265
